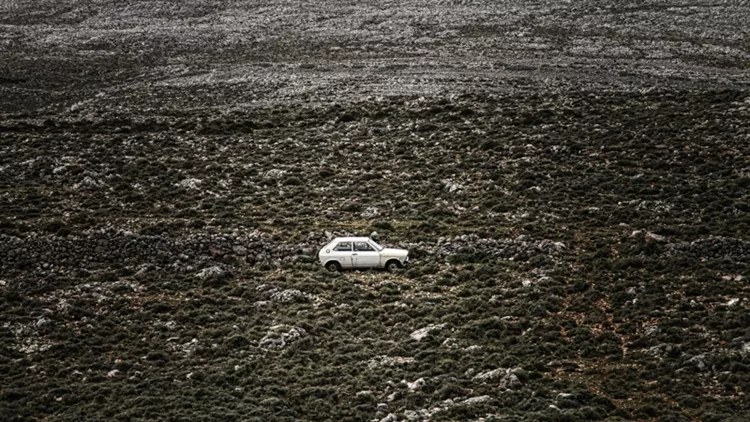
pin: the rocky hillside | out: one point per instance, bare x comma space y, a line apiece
571, 179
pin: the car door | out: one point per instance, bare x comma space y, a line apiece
342, 253
365, 256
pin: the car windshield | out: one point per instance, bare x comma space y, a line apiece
376, 246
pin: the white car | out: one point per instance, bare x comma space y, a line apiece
361, 252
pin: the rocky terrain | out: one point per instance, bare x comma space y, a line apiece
572, 180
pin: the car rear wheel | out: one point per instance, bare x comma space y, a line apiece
392, 265
333, 266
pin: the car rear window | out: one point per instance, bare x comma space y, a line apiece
343, 247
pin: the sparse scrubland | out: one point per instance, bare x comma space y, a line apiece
571, 179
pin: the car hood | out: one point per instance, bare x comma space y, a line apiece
394, 252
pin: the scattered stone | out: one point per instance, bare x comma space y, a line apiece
449, 343
451, 186
88, 182
192, 183
416, 385
546, 244
508, 380
389, 418
275, 173
511, 381
214, 271
379, 361
652, 330
475, 400
186, 349
698, 361
422, 332
489, 375
281, 336
656, 351
370, 212
412, 415
654, 237
292, 295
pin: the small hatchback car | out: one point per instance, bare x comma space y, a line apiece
361, 252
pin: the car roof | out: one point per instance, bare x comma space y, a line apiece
351, 239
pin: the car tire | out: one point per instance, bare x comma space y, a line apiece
333, 266
393, 265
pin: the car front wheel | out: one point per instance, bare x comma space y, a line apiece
333, 266
392, 265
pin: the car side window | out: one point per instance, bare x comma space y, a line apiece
343, 247
363, 247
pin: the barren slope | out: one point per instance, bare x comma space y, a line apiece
571, 178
